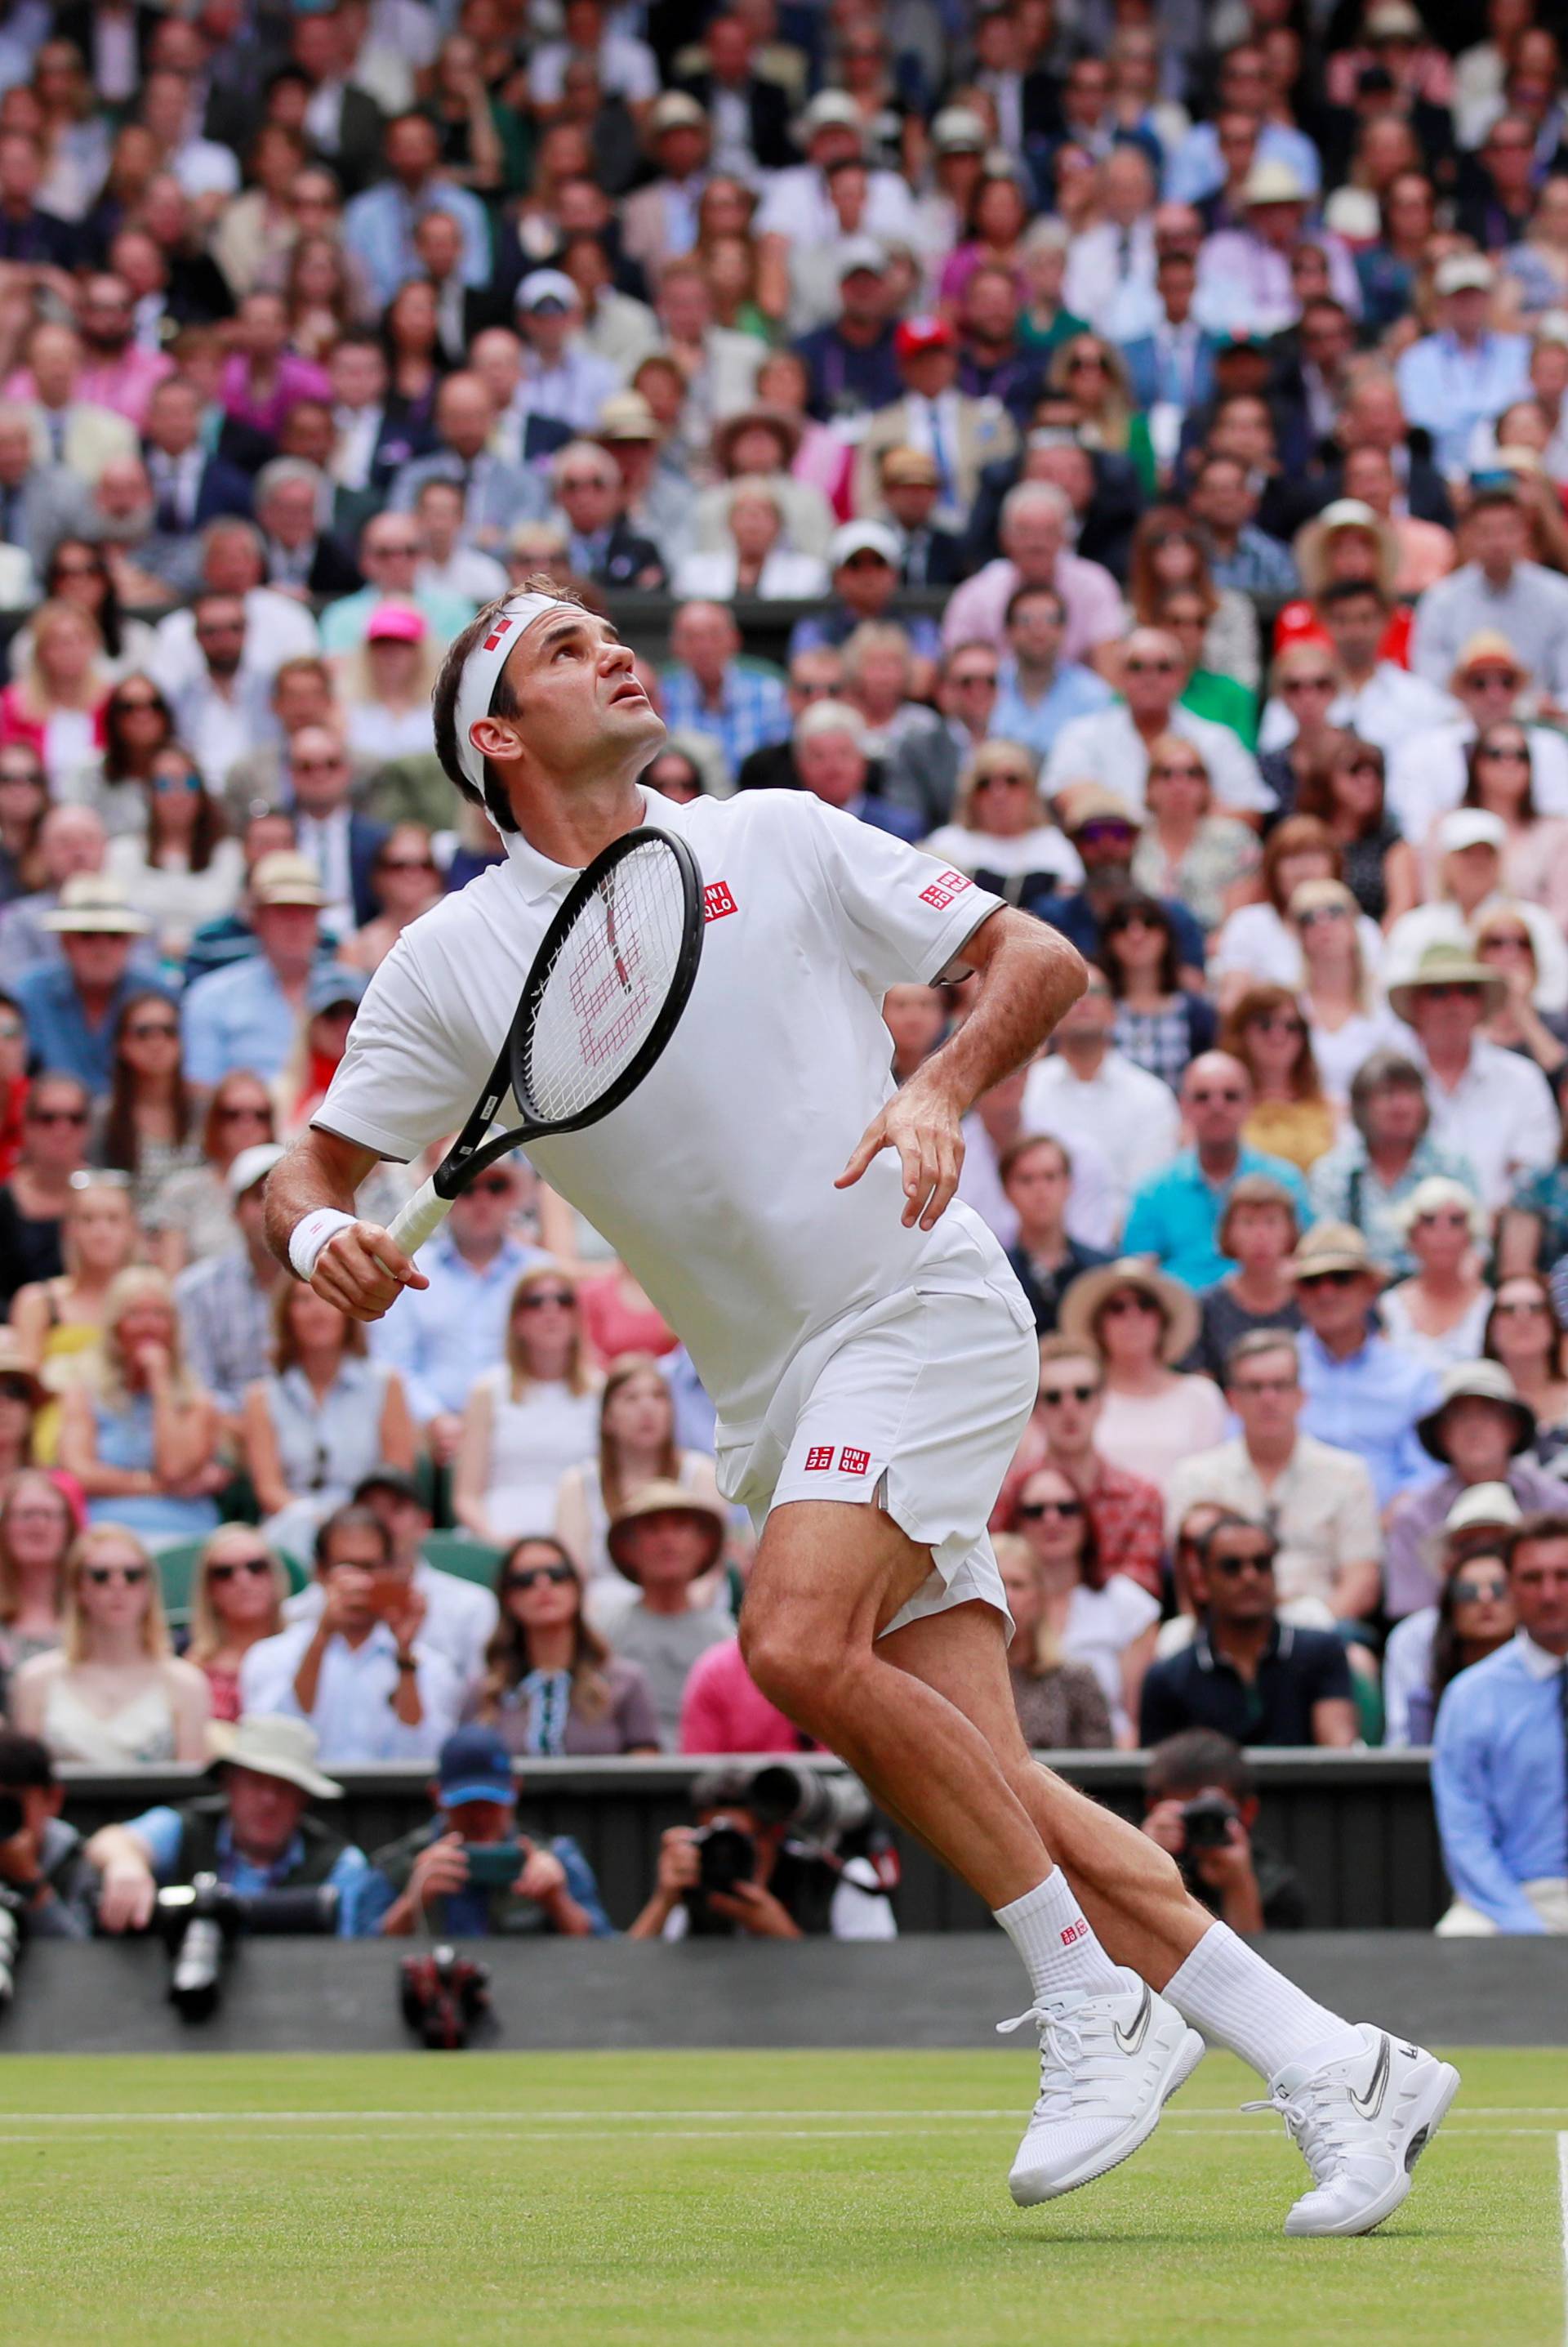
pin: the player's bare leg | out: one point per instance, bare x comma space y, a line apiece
829, 1577
1363, 2106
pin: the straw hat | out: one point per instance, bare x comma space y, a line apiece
663, 1497
270, 1745
91, 904
1488, 647
1447, 965
1091, 1290
1345, 513
1333, 1246
1477, 1381
1480, 1507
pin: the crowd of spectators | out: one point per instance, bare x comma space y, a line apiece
1121, 448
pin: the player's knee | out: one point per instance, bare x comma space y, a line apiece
787, 1664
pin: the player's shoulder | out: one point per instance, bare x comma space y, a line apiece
775, 818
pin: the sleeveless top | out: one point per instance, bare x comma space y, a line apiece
141, 1731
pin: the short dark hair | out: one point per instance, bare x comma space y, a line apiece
1233, 1520
352, 1519
502, 702
1019, 1146
1021, 595
1196, 1758
1259, 1342
1544, 1525
24, 1761
1346, 591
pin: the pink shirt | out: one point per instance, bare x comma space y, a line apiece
1093, 601
724, 1710
126, 385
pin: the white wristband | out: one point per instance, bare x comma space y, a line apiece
311, 1233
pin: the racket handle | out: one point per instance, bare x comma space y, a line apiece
424, 1213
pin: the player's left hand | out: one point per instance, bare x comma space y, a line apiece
922, 1123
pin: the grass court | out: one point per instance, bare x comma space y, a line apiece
796, 2200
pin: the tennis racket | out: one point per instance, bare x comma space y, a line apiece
601, 1001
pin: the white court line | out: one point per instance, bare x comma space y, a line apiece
912, 2116
1562, 2195
346, 2126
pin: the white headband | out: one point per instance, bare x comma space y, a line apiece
483, 668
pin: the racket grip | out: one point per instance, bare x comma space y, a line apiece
424, 1213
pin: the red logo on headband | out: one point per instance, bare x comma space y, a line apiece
493, 638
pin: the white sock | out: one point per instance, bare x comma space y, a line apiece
1232, 1996
1054, 1936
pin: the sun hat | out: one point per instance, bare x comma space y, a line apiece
1488, 647
1078, 804
1480, 1507
1477, 1381
1447, 965
271, 1746
832, 108
92, 904
1091, 1290
664, 1497
1333, 1246
287, 877
1343, 514
252, 1166
900, 466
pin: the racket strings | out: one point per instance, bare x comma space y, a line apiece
608, 984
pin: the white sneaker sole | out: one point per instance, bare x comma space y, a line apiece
1029, 2192
1429, 2116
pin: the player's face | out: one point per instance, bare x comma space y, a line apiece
580, 708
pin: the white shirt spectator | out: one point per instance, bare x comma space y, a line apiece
1093, 1215
1101, 1625
1259, 942
628, 69
1386, 710
1322, 1508
1124, 1116
1501, 1115
1426, 777
277, 629
354, 1716
796, 205
460, 1617
1106, 747
1442, 923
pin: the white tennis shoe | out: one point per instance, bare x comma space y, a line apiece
1361, 2125
1108, 2063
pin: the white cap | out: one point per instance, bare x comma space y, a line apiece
541, 286
1471, 827
863, 538
1275, 183
860, 253
1464, 273
252, 1166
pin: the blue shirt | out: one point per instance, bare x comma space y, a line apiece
1499, 1759
57, 1028
1197, 169
1075, 691
441, 1336
237, 1017
1449, 390
753, 710
1259, 566
1369, 1404
465, 1914
379, 226
1174, 1215
163, 1832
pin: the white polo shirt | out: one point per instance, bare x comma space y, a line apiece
714, 1182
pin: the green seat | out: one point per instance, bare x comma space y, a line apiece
458, 1553
177, 1574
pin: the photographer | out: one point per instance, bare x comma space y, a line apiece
1200, 1805
745, 1867
470, 1872
42, 1862
254, 1835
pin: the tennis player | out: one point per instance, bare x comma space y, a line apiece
869, 1352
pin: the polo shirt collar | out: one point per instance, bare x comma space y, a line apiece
1281, 1640
1536, 1660
537, 875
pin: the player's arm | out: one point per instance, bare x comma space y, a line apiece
359, 1269
1029, 975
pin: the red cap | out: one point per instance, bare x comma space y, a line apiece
928, 333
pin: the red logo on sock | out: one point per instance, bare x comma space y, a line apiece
1076, 1930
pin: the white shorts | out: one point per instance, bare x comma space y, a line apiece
916, 1404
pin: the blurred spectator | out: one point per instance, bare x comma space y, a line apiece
710, 691
549, 1683
58, 1323
530, 1417
1113, 745
459, 1616
405, 881
256, 1835
54, 1121
1035, 1172
796, 1889
1490, 1104
37, 1528
1439, 1314
1472, 1616
665, 1541
1201, 1805
1479, 1432
1104, 834
71, 1010
1290, 1117
1260, 1229
1248, 1673
192, 1216
321, 1421
832, 759
1186, 850
44, 1863
138, 1433
112, 1695
1496, 589
149, 1123
1497, 1775
636, 1445
1141, 1323
236, 1594
1124, 1509
359, 1673
1175, 1216
426, 1880
182, 869
1002, 834
1161, 1025
1036, 518
1061, 1705
69, 841
246, 1016
1090, 1612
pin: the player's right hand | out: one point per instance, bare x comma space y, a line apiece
362, 1271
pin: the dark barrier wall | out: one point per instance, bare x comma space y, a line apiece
1357, 1825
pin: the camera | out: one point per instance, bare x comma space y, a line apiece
726, 1855
1207, 1821
12, 1934
443, 1996
200, 1921
820, 1806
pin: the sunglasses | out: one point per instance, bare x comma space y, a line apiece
1449, 1216
1475, 1592
976, 676
1085, 366
492, 1185
1003, 781
239, 1115
1174, 537
143, 1031
133, 701
1276, 1022
1151, 668
1120, 1303
557, 1573
1104, 833
1231, 1568
1453, 993
563, 1297
1229, 1097
56, 1116
1328, 1278
1515, 755
165, 785
1177, 775
1494, 679
257, 1566
100, 1575
1265, 1386
406, 864
1035, 1509
1057, 1394
1323, 913
1308, 684
17, 1389
1527, 1305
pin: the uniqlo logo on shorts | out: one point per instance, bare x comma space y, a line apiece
943, 889
717, 900
854, 1462
819, 1459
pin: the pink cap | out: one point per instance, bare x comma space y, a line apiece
395, 623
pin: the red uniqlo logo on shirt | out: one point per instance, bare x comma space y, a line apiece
819, 1459
1078, 1931
717, 900
854, 1462
943, 889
